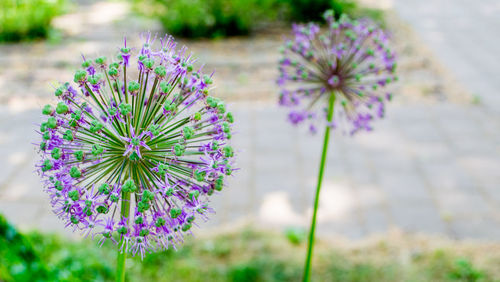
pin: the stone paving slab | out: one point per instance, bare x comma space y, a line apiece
374, 181
464, 35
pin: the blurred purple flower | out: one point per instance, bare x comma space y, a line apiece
350, 59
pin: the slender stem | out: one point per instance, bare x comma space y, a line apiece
122, 254
310, 245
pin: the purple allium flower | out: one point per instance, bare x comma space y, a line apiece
134, 161
350, 60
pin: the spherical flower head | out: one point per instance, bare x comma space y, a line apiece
135, 160
350, 60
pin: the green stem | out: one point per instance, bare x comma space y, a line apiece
310, 245
122, 254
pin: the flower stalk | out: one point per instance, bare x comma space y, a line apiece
122, 255
310, 242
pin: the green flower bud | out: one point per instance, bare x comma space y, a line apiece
207, 79
95, 79
229, 170
221, 107
160, 71
75, 172
194, 194
113, 110
47, 110
125, 108
170, 106
169, 192
219, 182
175, 212
104, 189
212, 102
86, 64
228, 151
113, 198
56, 153
47, 165
78, 155
178, 150
43, 127
129, 186
74, 220
97, 149
102, 209
200, 175
149, 63
51, 122
122, 230
186, 227
101, 60
62, 108
95, 126
188, 132
77, 115
58, 185
154, 129
134, 156
68, 135
143, 206
80, 76
147, 195
225, 127
113, 72
165, 87
74, 195
162, 169
133, 87
59, 91
160, 222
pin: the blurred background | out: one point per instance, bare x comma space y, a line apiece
422, 191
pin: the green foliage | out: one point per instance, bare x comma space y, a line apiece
295, 235
463, 270
312, 10
18, 259
27, 19
208, 18
246, 255
218, 18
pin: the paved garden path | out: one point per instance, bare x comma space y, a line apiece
465, 36
430, 167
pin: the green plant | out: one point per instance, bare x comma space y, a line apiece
312, 10
208, 18
18, 260
463, 270
27, 19
295, 235
219, 18
252, 256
